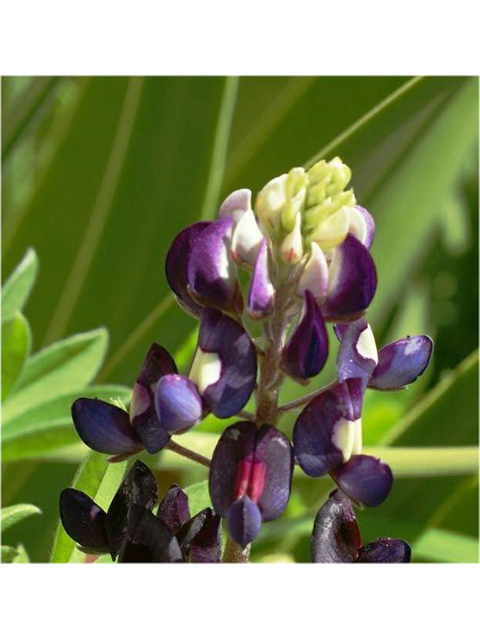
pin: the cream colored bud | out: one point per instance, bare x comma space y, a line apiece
270, 202
291, 249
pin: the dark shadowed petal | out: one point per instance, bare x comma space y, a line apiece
335, 536
212, 274
352, 281
225, 364
173, 509
271, 488
84, 521
236, 444
178, 403
158, 362
401, 362
357, 356
306, 351
385, 550
105, 427
176, 265
366, 480
236, 204
139, 487
148, 539
243, 521
324, 431
363, 226
200, 538
261, 294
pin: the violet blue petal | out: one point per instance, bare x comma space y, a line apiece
235, 446
212, 274
401, 362
173, 509
148, 539
84, 521
364, 479
315, 430
306, 351
225, 338
176, 265
385, 550
271, 475
357, 356
236, 204
261, 294
105, 427
335, 536
200, 538
139, 487
158, 362
243, 521
352, 281
178, 403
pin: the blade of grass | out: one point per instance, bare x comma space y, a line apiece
100, 212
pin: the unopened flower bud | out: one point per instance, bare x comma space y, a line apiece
291, 249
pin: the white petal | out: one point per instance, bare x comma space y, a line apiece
357, 439
205, 370
236, 204
366, 345
333, 230
344, 437
292, 246
270, 202
246, 239
357, 225
315, 274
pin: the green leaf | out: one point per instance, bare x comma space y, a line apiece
198, 497
17, 513
62, 367
48, 425
437, 545
22, 555
412, 462
99, 480
16, 342
17, 288
8, 553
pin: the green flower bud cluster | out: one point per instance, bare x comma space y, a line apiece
295, 207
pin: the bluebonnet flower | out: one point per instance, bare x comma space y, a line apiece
130, 531
336, 537
250, 477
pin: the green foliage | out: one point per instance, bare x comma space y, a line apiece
198, 496
152, 155
16, 513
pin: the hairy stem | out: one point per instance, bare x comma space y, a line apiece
187, 453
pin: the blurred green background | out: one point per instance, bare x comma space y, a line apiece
99, 175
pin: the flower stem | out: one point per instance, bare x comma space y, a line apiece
187, 453
300, 402
234, 553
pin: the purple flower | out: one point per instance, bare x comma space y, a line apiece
250, 478
395, 366
306, 351
130, 531
336, 537
261, 294
327, 438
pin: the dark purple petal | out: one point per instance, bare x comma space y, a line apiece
228, 392
178, 403
385, 550
139, 487
212, 274
306, 351
335, 536
352, 281
261, 294
273, 461
236, 204
401, 362
105, 427
148, 539
243, 521
366, 480
367, 235
200, 538
176, 265
357, 356
317, 433
236, 444
173, 509
84, 521
158, 362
